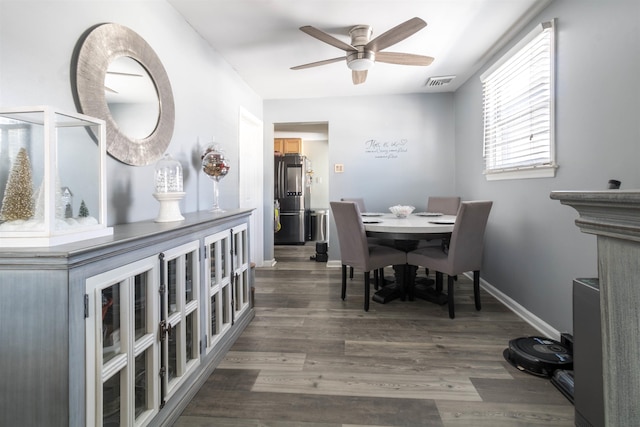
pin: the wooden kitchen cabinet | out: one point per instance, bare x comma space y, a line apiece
287, 145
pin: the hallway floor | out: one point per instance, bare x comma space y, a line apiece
310, 359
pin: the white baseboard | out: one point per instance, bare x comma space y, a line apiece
540, 325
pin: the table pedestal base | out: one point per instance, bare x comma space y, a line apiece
386, 294
428, 293
403, 280
407, 284
414, 287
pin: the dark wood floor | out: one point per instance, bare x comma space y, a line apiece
310, 359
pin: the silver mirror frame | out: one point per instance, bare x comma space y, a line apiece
103, 44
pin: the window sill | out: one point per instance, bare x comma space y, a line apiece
543, 172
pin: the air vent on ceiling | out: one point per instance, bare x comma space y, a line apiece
439, 81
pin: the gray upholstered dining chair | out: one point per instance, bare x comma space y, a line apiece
444, 205
447, 205
358, 201
379, 273
465, 250
356, 251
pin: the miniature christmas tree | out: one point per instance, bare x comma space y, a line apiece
83, 212
17, 202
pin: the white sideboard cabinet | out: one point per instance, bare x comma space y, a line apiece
121, 330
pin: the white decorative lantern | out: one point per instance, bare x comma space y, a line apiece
168, 182
44, 153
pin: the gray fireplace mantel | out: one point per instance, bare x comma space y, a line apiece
614, 217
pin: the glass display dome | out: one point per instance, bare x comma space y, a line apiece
168, 177
168, 183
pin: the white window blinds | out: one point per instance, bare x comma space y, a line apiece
518, 109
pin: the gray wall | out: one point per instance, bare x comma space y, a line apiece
421, 126
37, 39
533, 249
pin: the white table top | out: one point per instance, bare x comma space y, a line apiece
412, 225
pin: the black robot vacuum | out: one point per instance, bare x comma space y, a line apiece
539, 356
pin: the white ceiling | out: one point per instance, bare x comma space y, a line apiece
261, 40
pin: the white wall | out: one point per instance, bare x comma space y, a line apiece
37, 39
533, 249
423, 123
317, 151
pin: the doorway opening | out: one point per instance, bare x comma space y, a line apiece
301, 182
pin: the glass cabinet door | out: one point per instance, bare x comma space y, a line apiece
122, 350
179, 306
241, 285
144, 330
218, 285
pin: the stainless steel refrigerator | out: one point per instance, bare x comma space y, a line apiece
292, 193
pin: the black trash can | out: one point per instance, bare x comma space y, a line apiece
321, 252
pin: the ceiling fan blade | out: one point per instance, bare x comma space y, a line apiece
403, 58
327, 38
318, 63
358, 77
396, 34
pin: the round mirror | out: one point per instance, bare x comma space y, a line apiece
139, 123
132, 98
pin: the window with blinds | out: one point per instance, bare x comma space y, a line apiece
519, 109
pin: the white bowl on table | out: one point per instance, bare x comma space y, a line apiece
401, 211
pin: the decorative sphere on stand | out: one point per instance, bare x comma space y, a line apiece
215, 166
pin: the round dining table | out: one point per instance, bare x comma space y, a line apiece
415, 226
405, 234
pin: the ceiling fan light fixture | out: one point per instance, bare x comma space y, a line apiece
360, 64
361, 61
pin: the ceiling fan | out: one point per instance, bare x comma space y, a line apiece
363, 52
